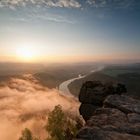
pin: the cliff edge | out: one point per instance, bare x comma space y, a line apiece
109, 113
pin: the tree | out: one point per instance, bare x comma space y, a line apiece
56, 123
26, 135
60, 126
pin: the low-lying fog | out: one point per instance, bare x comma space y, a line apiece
24, 102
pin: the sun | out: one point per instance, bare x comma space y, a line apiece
26, 53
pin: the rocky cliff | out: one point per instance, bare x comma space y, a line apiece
109, 113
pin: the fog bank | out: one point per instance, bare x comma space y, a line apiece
24, 102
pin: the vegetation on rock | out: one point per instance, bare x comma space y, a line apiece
59, 126
27, 135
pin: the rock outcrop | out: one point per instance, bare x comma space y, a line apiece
93, 94
108, 112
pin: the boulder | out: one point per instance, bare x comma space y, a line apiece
95, 133
94, 93
124, 103
86, 110
109, 124
121, 88
109, 114
91, 93
133, 118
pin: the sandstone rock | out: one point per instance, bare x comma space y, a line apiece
86, 110
124, 103
133, 118
96, 133
94, 93
133, 129
110, 119
109, 124
120, 88
109, 115
88, 133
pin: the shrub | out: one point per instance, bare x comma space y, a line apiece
26, 135
60, 126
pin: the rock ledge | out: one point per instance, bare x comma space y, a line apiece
108, 112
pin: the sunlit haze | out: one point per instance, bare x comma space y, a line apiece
70, 31
26, 53
69, 69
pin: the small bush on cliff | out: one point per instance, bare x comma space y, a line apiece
27, 135
60, 126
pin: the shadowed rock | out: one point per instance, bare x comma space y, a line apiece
109, 114
134, 118
87, 110
124, 103
94, 93
95, 133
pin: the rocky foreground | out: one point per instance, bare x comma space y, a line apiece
108, 112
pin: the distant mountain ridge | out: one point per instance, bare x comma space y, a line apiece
127, 74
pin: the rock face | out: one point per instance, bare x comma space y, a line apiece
123, 103
93, 94
108, 112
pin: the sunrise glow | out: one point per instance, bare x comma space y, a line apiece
26, 53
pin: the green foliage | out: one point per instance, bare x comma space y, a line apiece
59, 126
56, 121
26, 135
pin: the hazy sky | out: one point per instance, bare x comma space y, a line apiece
69, 30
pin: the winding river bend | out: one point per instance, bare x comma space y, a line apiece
63, 87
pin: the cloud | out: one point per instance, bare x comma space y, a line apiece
35, 16
50, 17
39, 11
26, 103
13, 4
41, 15
55, 19
39, 3
113, 3
63, 3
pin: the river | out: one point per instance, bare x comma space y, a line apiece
63, 87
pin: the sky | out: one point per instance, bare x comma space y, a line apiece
69, 30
